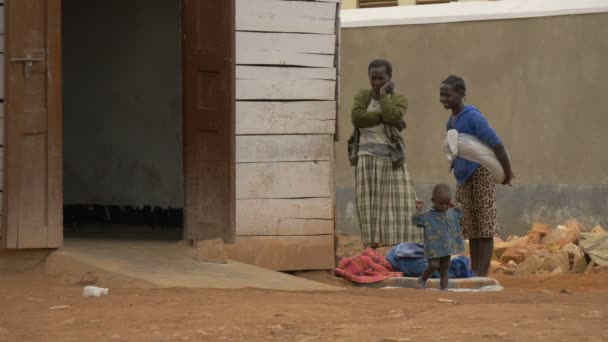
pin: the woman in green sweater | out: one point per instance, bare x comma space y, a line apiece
386, 196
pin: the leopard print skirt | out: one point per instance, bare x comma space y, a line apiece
477, 196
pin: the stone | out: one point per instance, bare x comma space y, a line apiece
572, 236
566, 292
529, 266
572, 249
538, 232
594, 314
446, 301
495, 266
556, 261
552, 247
553, 261
518, 255
534, 237
541, 228
517, 250
580, 264
59, 307
212, 251
563, 261
509, 271
554, 237
598, 229
590, 266
501, 247
574, 224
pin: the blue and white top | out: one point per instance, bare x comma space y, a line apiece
442, 232
472, 122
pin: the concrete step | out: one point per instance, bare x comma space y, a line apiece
154, 264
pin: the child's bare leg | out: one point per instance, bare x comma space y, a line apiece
432, 268
444, 271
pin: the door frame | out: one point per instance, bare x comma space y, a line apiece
228, 233
55, 102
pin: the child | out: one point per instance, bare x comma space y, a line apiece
442, 233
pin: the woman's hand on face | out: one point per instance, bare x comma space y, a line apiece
387, 88
419, 205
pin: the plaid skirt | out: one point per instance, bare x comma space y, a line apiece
386, 200
477, 196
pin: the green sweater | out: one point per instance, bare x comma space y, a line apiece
393, 108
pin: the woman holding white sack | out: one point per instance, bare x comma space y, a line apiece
476, 184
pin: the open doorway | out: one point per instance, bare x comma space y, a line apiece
122, 119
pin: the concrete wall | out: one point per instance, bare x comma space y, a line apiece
538, 81
122, 102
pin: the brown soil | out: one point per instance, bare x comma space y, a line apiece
530, 309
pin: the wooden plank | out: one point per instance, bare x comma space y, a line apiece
338, 72
285, 16
284, 73
284, 90
310, 216
2, 18
311, 50
1, 41
285, 117
2, 76
272, 83
1, 128
280, 148
283, 180
285, 253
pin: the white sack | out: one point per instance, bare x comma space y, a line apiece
469, 147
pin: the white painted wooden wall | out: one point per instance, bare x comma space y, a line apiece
1, 104
285, 121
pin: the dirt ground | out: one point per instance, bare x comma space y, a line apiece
530, 309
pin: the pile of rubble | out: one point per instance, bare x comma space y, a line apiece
543, 251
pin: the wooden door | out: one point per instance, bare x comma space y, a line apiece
33, 179
208, 119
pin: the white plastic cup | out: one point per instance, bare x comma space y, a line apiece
94, 291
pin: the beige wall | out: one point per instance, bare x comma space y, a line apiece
540, 83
